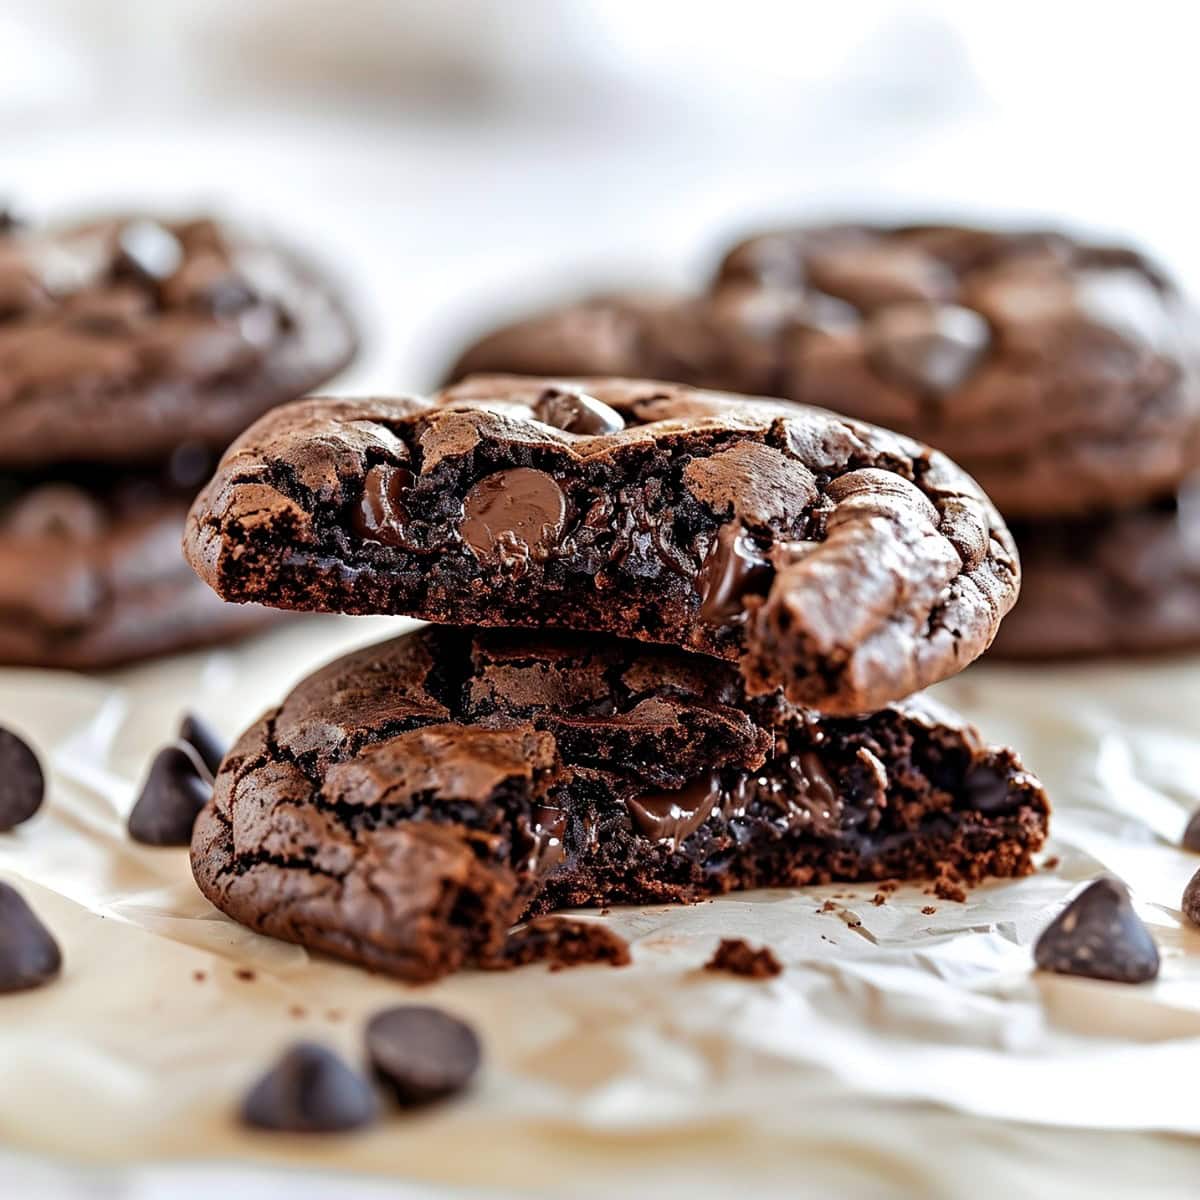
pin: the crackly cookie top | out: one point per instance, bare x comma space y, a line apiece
1061, 374
849, 565
122, 340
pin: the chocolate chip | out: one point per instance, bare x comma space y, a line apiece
148, 250
310, 1090
58, 510
577, 412
930, 347
1191, 899
205, 740
29, 955
176, 789
22, 784
1099, 936
422, 1054
986, 789
380, 515
733, 568
514, 516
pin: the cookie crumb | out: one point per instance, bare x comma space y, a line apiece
929, 910
334, 1014
878, 899
828, 906
854, 924
298, 1011
562, 942
737, 957
948, 884
199, 976
245, 974
1051, 863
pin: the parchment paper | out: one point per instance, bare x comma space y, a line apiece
143, 1048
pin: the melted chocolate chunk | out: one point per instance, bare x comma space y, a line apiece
22, 784
381, 515
514, 516
29, 955
422, 1054
576, 412
673, 816
733, 568
310, 1090
1099, 936
176, 789
931, 348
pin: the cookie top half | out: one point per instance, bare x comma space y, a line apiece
1061, 374
122, 340
846, 564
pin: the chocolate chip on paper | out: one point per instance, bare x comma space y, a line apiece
423, 1054
310, 1090
1099, 936
29, 955
176, 789
22, 784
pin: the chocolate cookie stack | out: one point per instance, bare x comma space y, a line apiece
1060, 374
675, 635
132, 351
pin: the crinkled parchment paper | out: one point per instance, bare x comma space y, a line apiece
883, 1058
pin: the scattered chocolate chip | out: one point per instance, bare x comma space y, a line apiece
176, 789
1191, 834
205, 740
1099, 936
29, 955
380, 515
148, 250
930, 347
1191, 899
564, 942
577, 412
513, 516
310, 1090
738, 957
22, 784
421, 1053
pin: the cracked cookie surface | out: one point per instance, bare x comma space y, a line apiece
1060, 374
408, 803
124, 340
849, 565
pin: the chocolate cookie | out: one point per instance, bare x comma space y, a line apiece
844, 563
409, 802
129, 340
91, 576
1115, 583
1060, 374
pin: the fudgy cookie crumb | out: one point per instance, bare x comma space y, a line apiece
737, 957
564, 942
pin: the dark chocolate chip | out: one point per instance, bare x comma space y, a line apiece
148, 250
1099, 936
380, 515
176, 789
421, 1053
29, 955
930, 347
514, 516
22, 784
205, 740
310, 1090
1191, 899
986, 789
733, 568
577, 412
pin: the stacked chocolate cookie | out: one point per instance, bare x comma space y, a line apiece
1062, 375
707, 612
132, 351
